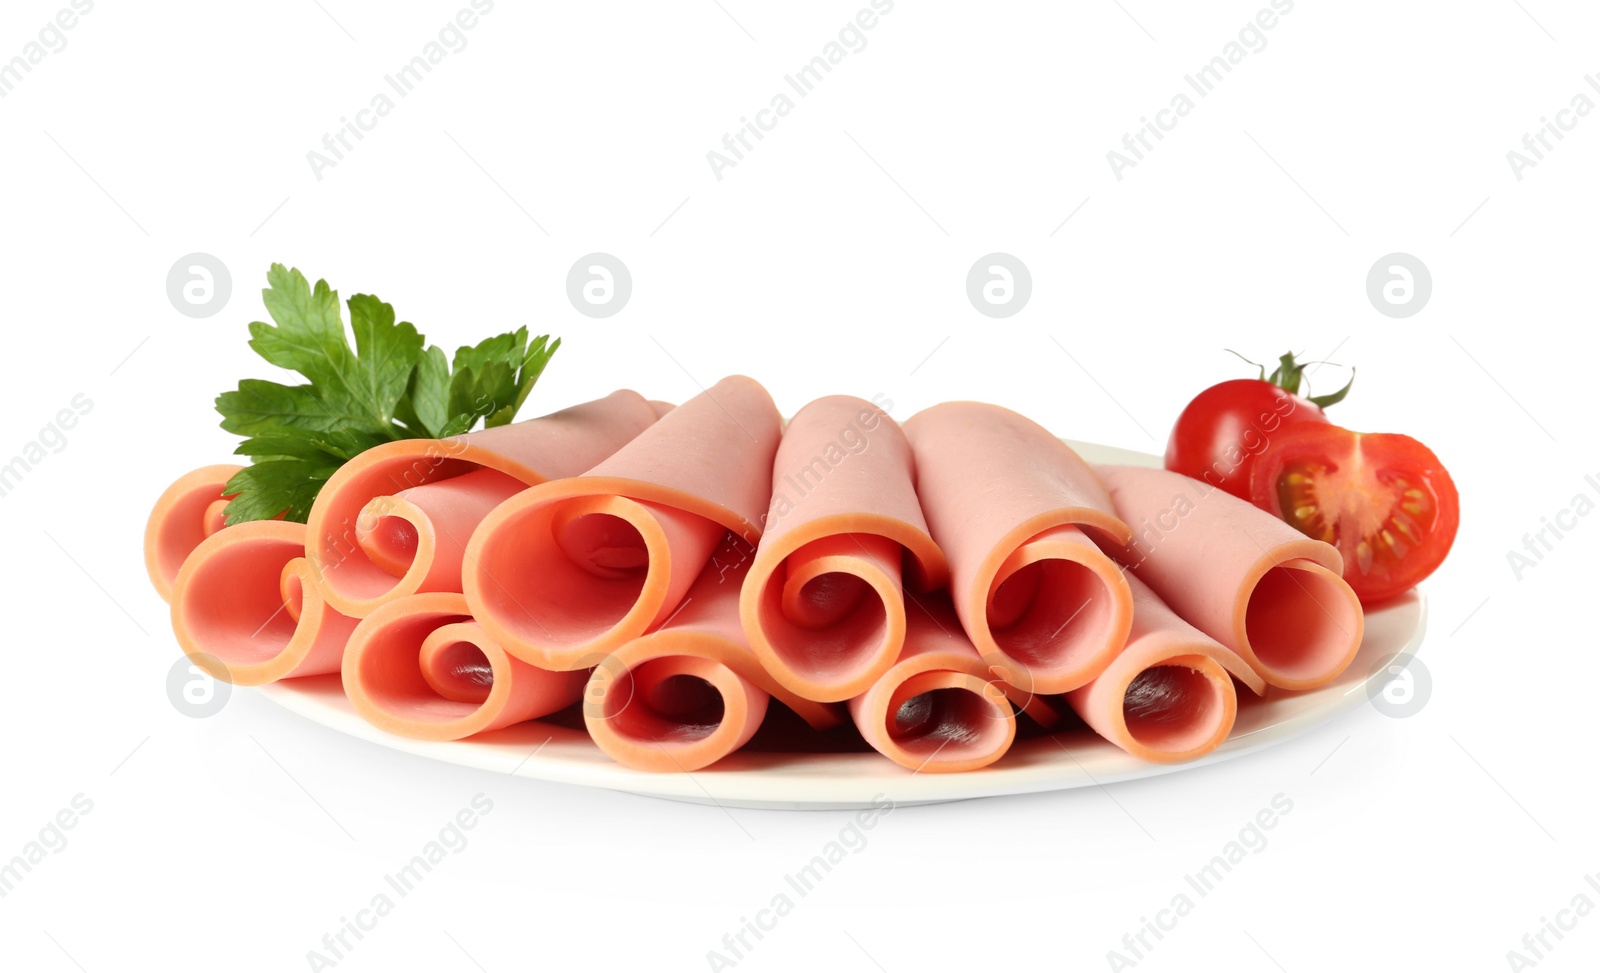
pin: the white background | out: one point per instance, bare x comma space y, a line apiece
832, 259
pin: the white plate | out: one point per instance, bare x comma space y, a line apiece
809, 781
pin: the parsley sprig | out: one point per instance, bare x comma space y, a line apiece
391, 386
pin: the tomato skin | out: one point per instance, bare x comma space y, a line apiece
1222, 432
1383, 499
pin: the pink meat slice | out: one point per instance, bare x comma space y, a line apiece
186, 513
393, 521
1169, 695
423, 531
691, 692
824, 608
248, 608
420, 667
938, 708
1014, 508
566, 572
1242, 576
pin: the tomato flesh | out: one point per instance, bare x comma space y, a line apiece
1222, 432
1383, 499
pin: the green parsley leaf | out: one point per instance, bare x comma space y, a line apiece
496, 375
284, 446
386, 353
392, 385
429, 394
538, 356
309, 336
258, 406
270, 488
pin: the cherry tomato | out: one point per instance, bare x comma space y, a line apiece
1383, 499
1223, 430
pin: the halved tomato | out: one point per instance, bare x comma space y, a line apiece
1383, 499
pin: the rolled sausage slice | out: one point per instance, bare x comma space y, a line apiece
937, 709
1169, 695
1014, 508
248, 608
394, 520
420, 667
187, 512
691, 692
567, 572
823, 606
1242, 576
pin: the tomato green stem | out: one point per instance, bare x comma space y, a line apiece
1261, 370
1290, 374
1334, 398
